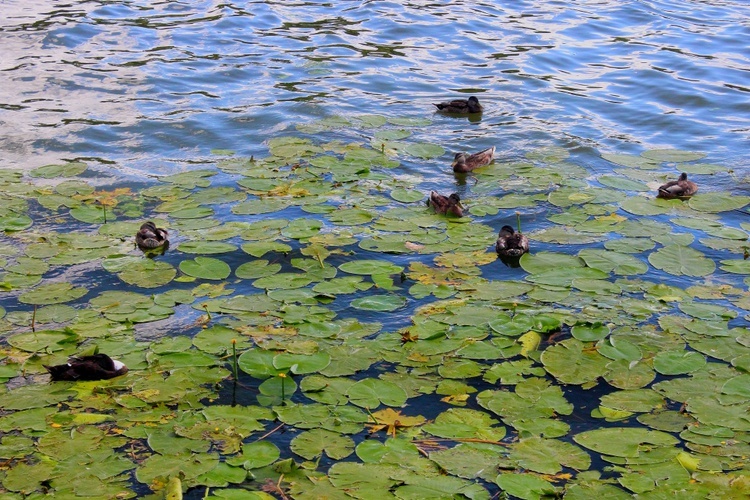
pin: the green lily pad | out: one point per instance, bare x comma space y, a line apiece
406, 195
206, 268
316, 442
383, 303
52, 293
425, 150
717, 202
61, 170
672, 155
370, 393
370, 267
623, 441
681, 260
678, 362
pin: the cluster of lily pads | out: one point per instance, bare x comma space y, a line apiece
315, 330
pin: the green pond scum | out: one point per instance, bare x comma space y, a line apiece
316, 331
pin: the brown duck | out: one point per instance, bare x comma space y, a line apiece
681, 188
450, 205
149, 236
463, 162
95, 367
510, 243
460, 106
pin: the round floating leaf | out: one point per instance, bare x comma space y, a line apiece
370, 267
406, 195
681, 260
256, 269
14, 222
301, 364
623, 441
371, 392
383, 303
257, 363
148, 273
671, 155
622, 183
313, 443
589, 333
640, 205
255, 455
93, 214
52, 293
570, 363
678, 362
545, 261
525, 486
736, 266
717, 202
206, 247
607, 261
206, 268
425, 150
62, 170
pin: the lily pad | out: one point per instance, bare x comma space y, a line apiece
206, 268
681, 260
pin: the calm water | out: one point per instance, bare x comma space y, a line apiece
151, 87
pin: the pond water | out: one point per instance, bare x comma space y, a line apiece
289, 148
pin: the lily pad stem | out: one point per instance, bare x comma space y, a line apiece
372, 416
518, 221
234, 358
33, 320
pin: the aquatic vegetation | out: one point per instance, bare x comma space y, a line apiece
312, 291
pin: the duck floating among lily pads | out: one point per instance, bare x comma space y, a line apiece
460, 106
150, 237
448, 205
681, 188
94, 367
512, 244
464, 162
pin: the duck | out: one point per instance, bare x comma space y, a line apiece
150, 237
511, 243
449, 205
681, 188
94, 367
463, 162
460, 106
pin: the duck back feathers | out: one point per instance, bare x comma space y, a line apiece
95, 367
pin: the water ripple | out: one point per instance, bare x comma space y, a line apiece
132, 82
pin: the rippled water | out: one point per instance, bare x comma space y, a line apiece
151, 87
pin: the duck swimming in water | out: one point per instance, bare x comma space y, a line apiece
463, 162
511, 243
460, 106
681, 188
150, 237
94, 367
449, 205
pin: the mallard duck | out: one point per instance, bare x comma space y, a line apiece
149, 236
681, 188
463, 162
510, 243
95, 367
446, 204
460, 106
